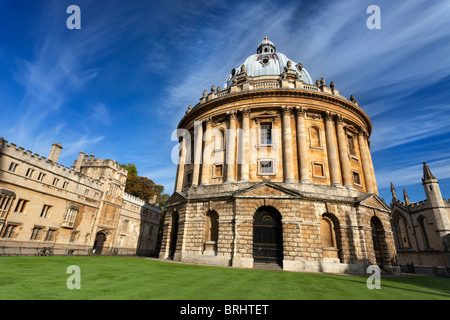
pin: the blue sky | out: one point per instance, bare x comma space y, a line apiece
118, 87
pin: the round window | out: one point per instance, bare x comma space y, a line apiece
265, 60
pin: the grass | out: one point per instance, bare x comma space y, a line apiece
119, 278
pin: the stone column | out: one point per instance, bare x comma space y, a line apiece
333, 161
231, 146
181, 163
365, 160
198, 142
288, 160
244, 145
206, 161
303, 155
343, 152
374, 180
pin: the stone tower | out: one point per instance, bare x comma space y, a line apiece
276, 169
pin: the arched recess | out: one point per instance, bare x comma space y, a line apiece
173, 234
400, 228
424, 231
267, 236
211, 232
100, 239
330, 237
378, 240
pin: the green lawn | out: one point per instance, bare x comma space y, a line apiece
121, 278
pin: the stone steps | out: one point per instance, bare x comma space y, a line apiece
267, 266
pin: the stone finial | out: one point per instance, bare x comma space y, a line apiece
219, 90
332, 85
394, 195
213, 88
322, 81
189, 109
289, 64
318, 83
352, 98
205, 93
243, 68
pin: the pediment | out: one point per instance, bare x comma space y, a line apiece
175, 198
266, 189
374, 202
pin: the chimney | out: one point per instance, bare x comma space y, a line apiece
79, 161
55, 152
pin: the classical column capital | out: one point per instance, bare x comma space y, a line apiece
300, 111
339, 119
245, 112
328, 116
232, 114
363, 132
286, 111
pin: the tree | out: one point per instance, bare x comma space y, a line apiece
142, 187
131, 168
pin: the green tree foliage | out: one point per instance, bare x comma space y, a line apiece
131, 168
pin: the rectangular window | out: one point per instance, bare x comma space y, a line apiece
266, 167
45, 213
9, 231
86, 192
50, 235
65, 185
351, 145
5, 203
41, 176
356, 178
29, 173
36, 233
13, 166
266, 133
218, 170
318, 170
21, 206
55, 182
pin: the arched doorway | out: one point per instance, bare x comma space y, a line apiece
173, 235
377, 230
267, 236
100, 239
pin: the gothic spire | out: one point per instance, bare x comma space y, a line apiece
427, 175
394, 196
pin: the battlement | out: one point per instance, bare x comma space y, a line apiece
19, 154
417, 206
139, 202
91, 161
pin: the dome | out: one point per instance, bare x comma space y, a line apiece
268, 62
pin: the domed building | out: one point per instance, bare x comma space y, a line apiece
276, 170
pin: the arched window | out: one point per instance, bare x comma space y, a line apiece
219, 139
423, 225
314, 135
327, 232
401, 231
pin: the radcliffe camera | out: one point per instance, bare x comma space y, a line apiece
224, 159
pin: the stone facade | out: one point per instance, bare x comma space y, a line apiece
422, 229
293, 154
78, 210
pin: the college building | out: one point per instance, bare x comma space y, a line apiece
47, 208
